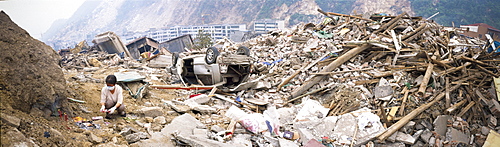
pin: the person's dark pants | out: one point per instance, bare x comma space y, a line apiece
110, 104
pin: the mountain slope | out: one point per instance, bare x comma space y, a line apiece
140, 15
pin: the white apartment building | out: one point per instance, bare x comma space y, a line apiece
266, 25
163, 34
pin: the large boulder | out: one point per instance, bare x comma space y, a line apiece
30, 75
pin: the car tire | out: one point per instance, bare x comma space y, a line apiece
211, 55
243, 50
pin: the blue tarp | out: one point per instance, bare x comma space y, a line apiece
496, 43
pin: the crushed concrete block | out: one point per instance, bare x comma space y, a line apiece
405, 138
152, 111
200, 132
198, 100
441, 124
383, 92
305, 135
325, 128
418, 144
235, 113
456, 136
160, 120
216, 128
346, 126
392, 138
311, 110
131, 138
485, 130
197, 141
409, 127
426, 135
204, 109
286, 115
287, 143
432, 141
417, 134
10, 120
178, 108
94, 139
368, 125
242, 139
313, 143
262, 85
184, 125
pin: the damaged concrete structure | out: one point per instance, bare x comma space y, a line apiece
348, 81
142, 45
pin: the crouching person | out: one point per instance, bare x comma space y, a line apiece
112, 98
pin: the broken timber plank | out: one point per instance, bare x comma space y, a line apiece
339, 72
466, 108
398, 125
403, 104
333, 65
448, 99
451, 70
425, 81
295, 74
309, 93
455, 106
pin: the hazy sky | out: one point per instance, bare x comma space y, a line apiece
36, 16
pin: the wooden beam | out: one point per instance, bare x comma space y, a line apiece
425, 81
451, 70
333, 65
398, 125
455, 106
466, 108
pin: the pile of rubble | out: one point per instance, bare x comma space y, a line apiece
359, 81
349, 80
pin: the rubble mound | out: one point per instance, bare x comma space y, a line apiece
30, 77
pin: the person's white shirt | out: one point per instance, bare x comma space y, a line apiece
117, 96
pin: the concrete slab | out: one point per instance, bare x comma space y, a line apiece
152, 111
426, 135
325, 128
456, 136
184, 124
305, 135
440, 124
405, 138
346, 126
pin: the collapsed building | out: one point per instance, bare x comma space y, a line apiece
349, 80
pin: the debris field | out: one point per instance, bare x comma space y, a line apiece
347, 81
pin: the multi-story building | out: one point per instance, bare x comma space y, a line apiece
266, 25
163, 34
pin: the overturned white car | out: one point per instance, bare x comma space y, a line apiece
213, 67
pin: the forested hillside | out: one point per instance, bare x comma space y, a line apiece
461, 12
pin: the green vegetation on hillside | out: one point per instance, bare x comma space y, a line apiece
461, 12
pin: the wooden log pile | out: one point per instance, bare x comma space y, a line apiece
404, 68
